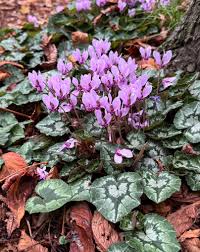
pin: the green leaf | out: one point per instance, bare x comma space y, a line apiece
175, 142
160, 186
126, 223
183, 161
194, 89
187, 116
53, 194
136, 139
115, 197
193, 180
193, 134
158, 236
120, 247
164, 132
68, 155
53, 125
91, 126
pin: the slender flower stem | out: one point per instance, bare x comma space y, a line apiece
15, 113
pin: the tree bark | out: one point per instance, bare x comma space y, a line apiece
185, 40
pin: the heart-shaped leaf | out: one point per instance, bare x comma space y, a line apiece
53, 194
175, 142
187, 116
136, 139
53, 125
183, 161
194, 89
91, 126
160, 186
164, 132
193, 134
158, 236
115, 197
193, 180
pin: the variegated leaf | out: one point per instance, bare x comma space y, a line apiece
158, 236
136, 140
193, 180
53, 125
193, 134
194, 89
183, 162
53, 194
164, 132
115, 197
160, 186
175, 142
187, 116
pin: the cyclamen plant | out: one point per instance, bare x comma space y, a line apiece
112, 88
146, 5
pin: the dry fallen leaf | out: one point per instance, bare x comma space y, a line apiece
16, 198
80, 37
104, 234
191, 245
184, 218
13, 164
80, 218
190, 234
50, 52
29, 245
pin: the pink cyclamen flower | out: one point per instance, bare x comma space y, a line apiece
50, 101
169, 81
82, 5
145, 52
121, 5
120, 153
131, 12
33, 19
79, 56
42, 173
59, 8
64, 67
37, 81
164, 60
69, 144
101, 2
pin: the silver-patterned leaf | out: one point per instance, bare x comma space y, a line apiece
136, 139
115, 197
183, 161
120, 247
187, 116
194, 89
160, 186
81, 189
193, 180
53, 125
158, 236
53, 194
164, 132
91, 126
193, 134
175, 142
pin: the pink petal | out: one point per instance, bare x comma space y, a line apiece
118, 159
126, 153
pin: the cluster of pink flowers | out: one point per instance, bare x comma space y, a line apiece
110, 88
146, 5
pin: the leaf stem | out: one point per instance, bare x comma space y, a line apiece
15, 113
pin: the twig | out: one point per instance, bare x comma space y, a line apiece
26, 167
29, 229
15, 113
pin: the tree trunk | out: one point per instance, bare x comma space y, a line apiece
185, 40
